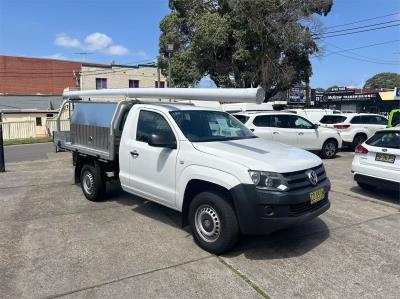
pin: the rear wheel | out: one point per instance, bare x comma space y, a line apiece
213, 222
92, 182
359, 139
329, 149
366, 186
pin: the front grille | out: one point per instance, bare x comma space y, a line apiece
304, 207
299, 179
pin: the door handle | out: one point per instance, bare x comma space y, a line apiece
134, 154
301, 133
275, 133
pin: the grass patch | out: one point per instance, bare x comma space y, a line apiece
28, 140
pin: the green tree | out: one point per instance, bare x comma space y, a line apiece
383, 80
241, 43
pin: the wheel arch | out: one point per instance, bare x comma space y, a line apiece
196, 186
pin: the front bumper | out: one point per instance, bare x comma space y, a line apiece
253, 207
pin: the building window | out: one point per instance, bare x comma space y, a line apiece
162, 84
101, 83
49, 115
38, 121
133, 83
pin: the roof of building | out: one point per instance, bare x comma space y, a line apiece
43, 102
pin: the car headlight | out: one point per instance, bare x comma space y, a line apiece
265, 180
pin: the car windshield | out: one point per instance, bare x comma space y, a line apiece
332, 119
204, 125
388, 139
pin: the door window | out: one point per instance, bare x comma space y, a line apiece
292, 122
302, 123
356, 120
263, 121
151, 123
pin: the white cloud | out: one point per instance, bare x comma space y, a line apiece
141, 54
64, 40
117, 50
57, 56
97, 41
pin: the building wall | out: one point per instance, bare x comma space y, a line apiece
118, 76
24, 118
24, 75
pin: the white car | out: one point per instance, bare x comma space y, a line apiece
292, 129
377, 161
354, 128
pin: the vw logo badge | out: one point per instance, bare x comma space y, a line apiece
312, 177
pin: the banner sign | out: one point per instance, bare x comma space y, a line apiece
297, 95
353, 97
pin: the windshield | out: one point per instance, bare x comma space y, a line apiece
332, 119
203, 125
388, 139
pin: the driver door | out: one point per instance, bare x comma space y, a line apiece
308, 136
152, 168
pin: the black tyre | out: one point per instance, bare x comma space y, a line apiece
329, 149
92, 182
366, 186
359, 139
213, 222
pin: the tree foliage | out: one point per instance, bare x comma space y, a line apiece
241, 43
383, 80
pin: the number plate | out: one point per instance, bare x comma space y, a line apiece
317, 196
385, 158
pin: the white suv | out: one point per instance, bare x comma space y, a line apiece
377, 161
354, 128
292, 129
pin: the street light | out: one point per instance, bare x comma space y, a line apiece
170, 48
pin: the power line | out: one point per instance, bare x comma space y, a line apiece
364, 20
360, 27
365, 60
350, 33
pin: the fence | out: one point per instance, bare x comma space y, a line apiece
18, 130
27, 129
51, 125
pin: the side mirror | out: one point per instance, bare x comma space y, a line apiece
162, 140
316, 126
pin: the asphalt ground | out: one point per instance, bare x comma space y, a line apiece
27, 152
55, 243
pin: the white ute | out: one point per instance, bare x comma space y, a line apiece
294, 130
199, 161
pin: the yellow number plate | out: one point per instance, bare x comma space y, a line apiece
317, 196
385, 158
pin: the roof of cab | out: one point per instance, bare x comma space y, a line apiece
167, 107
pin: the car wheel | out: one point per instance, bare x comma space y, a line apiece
92, 182
213, 222
329, 149
366, 186
359, 139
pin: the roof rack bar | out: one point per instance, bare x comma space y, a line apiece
226, 95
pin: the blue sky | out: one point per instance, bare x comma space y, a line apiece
127, 31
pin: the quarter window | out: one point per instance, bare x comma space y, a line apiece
151, 123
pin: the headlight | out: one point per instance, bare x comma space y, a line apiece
268, 180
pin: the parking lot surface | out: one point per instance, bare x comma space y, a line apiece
55, 243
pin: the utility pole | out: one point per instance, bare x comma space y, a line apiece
2, 164
158, 75
170, 48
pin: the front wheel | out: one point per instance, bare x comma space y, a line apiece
329, 149
213, 222
92, 182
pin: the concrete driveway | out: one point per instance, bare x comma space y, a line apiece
54, 243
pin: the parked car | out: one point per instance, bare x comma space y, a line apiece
199, 161
377, 161
289, 128
354, 128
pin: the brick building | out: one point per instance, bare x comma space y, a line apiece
31, 76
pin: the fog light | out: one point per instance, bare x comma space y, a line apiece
269, 211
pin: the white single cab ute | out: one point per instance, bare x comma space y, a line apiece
292, 129
199, 161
